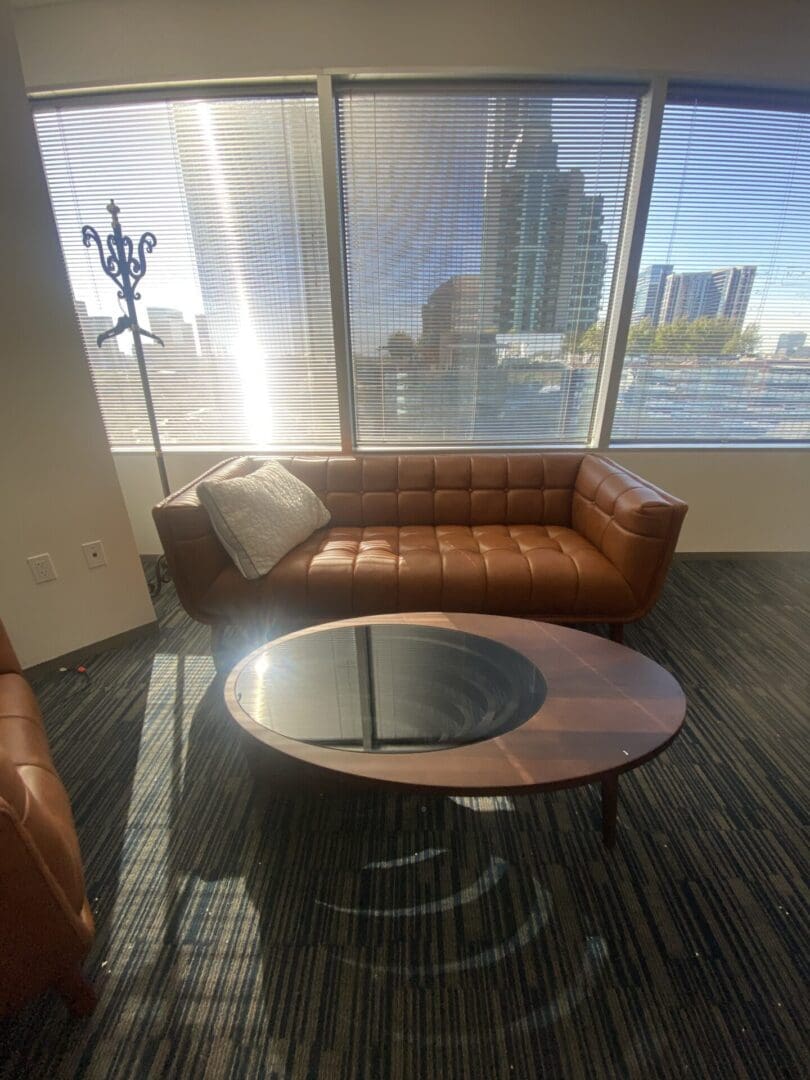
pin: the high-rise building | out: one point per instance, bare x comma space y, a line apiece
241, 164
176, 334
203, 335
712, 294
730, 291
543, 258
789, 344
452, 338
685, 297
650, 292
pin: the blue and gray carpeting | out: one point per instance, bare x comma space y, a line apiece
384, 936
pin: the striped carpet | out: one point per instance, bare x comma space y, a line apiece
402, 937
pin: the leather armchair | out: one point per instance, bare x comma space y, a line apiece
561, 537
46, 926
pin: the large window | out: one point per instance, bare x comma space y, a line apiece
719, 341
449, 268
481, 228
238, 285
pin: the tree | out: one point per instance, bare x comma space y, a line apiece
745, 342
641, 336
587, 342
705, 337
684, 338
400, 346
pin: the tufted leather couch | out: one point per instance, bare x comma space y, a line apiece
564, 537
46, 926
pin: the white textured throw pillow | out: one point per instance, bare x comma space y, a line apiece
260, 517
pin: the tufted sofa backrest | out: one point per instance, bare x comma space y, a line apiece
629, 520
446, 489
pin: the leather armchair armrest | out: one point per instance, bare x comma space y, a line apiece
193, 551
630, 521
8, 658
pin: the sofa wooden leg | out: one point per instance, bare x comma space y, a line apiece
78, 993
616, 632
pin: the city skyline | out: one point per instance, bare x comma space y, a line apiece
516, 196
525, 192
174, 272
666, 296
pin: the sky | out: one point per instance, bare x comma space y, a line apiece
731, 187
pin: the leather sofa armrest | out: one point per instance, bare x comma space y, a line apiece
630, 521
193, 551
8, 658
48, 939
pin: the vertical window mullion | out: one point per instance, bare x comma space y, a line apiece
639, 193
336, 255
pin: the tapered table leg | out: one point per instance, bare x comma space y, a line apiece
610, 805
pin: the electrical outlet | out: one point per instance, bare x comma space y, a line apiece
42, 568
94, 554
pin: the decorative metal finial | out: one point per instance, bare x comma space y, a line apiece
121, 265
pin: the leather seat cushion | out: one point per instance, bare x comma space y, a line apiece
532, 570
31, 787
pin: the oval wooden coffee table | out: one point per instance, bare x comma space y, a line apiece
457, 704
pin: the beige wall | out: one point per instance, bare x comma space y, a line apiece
739, 500
83, 42
58, 487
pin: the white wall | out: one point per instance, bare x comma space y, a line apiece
739, 500
58, 486
84, 42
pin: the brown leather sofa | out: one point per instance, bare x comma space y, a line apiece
46, 926
562, 537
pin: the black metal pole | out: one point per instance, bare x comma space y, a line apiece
129, 299
126, 267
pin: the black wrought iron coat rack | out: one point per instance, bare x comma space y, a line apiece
126, 267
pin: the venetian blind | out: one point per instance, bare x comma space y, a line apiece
238, 285
719, 342
481, 226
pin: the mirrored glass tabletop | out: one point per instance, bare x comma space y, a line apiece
389, 687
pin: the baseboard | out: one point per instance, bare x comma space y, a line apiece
740, 556
80, 656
